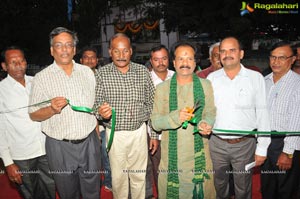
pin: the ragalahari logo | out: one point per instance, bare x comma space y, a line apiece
246, 9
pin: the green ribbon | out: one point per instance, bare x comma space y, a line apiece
256, 132
113, 121
192, 121
112, 131
80, 108
75, 108
16, 109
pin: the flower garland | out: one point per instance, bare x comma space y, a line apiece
134, 27
121, 27
200, 165
149, 26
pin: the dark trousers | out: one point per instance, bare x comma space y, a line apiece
155, 159
149, 174
105, 162
75, 167
275, 183
37, 181
152, 171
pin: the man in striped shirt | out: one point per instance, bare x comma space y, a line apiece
281, 171
72, 145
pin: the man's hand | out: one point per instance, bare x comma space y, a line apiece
284, 162
14, 174
58, 103
153, 145
259, 160
105, 111
204, 128
184, 114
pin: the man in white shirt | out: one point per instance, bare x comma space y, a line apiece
159, 59
240, 99
22, 144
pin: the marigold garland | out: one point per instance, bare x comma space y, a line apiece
150, 26
135, 27
121, 27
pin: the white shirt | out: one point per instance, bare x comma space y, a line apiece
284, 107
241, 104
20, 137
156, 80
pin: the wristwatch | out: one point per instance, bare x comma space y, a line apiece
289, 155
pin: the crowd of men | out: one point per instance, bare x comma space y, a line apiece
188, 134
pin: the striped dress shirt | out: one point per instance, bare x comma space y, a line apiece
284, 107
79, 88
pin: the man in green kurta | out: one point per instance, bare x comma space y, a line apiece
184, 111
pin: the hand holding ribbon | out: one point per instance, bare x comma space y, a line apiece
190, 115
80, 108
204, 128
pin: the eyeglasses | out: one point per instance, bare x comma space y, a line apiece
279, 58
61, 45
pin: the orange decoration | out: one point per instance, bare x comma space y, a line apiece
121, 27
134, 27
151, 26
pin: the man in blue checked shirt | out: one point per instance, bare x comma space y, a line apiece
281, 171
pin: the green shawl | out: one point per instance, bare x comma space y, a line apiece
199, 169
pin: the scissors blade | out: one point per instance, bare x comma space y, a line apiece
196, 106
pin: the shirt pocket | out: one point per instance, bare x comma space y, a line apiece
245, 99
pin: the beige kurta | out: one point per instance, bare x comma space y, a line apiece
163, 120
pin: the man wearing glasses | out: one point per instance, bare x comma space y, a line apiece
280, 173
72, 145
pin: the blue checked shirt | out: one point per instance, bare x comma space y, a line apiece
284, 107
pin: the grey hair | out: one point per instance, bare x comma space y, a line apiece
212, 47
56, 31
119, 35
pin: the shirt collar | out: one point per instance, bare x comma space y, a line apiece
243, 72
282, 79
58, 68
14, 83
132, 68
155, 77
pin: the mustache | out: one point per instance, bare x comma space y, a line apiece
183, 66
226, 58
121, 59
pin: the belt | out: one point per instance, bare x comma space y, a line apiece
275, 136
75, 141
235, 141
